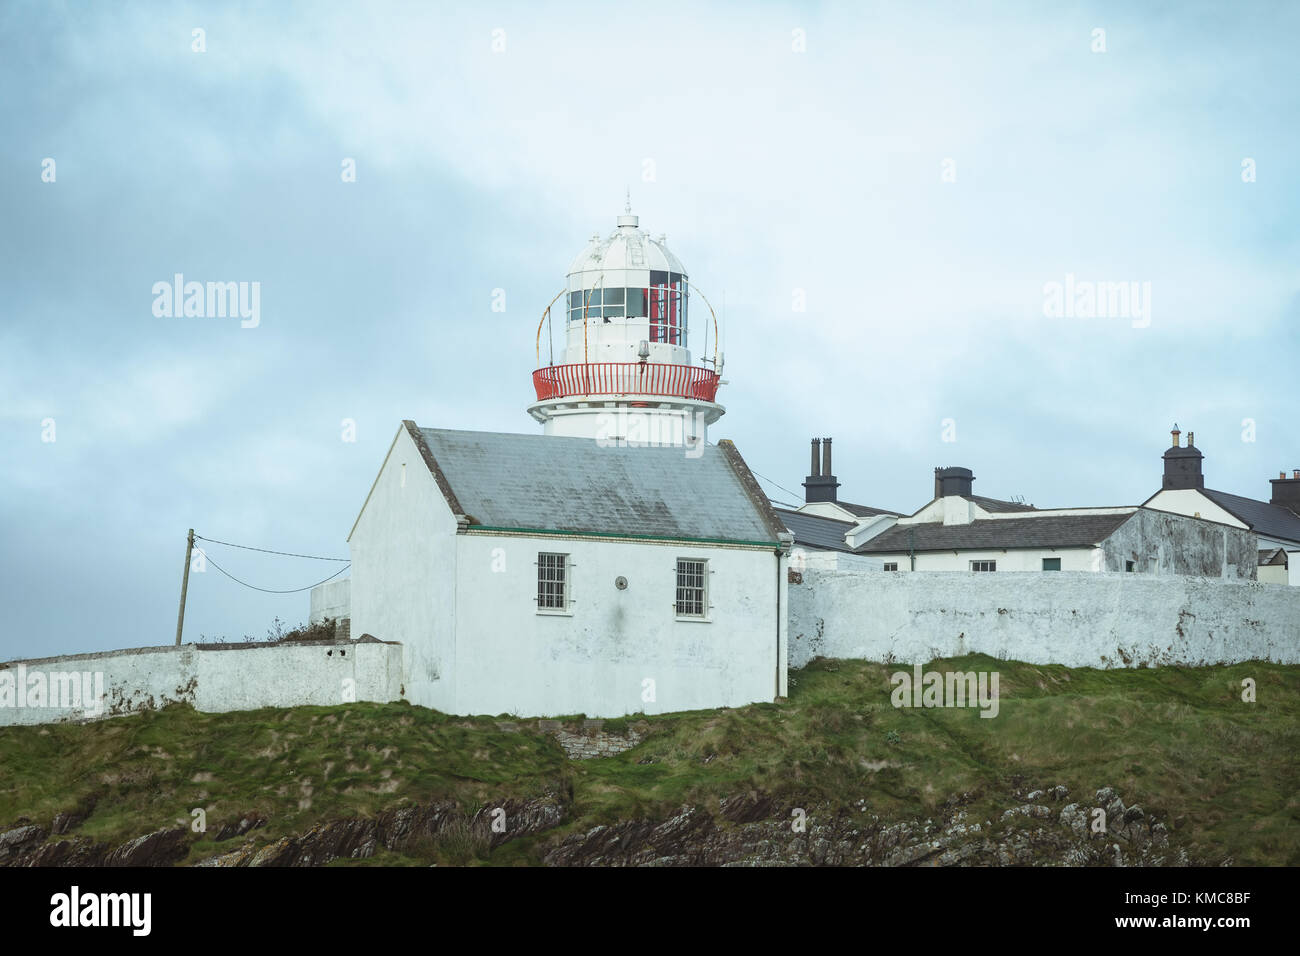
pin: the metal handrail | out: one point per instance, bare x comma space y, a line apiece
625, 378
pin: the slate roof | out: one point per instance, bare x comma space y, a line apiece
1272, 521
864, 511
1048, 531
549, 483
1269, 556
815, 531
997, 506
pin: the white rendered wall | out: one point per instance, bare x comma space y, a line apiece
1273, 574
804, 558
1027, 559
215, 679
331, 600
666, 422
1189, 501
1077, 619
618, 340
1291, 573
596, 660
828, 509
404, 569
295, 675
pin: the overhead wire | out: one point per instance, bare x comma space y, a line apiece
273, 590
347, 563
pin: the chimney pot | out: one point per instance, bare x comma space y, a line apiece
1286, 491
820, 484
1183, 466
952, 481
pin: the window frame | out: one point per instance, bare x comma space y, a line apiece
992, 562
703, 588
890, 566
1058, 564
565, 582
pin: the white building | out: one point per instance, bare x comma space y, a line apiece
1276, 522
615, 564
545, 575
961, 531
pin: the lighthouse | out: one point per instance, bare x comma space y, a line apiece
623, 372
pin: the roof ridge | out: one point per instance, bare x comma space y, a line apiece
417, 435
747, 481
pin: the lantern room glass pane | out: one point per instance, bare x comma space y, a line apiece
636, 303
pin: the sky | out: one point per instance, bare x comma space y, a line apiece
877, 199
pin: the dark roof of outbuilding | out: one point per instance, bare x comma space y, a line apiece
1269, 556
997, 506
548, 483
1273, 521
815, 531
1047, 531
864, 511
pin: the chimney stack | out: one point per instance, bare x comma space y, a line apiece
952, 481
820, 484
1182, 465
1286, 491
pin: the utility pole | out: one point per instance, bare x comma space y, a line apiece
185, 583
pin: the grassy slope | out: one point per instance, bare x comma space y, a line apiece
1178, 741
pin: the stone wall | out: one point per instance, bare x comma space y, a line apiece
592, 740
1080, 619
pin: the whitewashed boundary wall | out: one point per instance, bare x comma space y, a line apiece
1080, 619
214, 678
333, 599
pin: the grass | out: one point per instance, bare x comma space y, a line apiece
1179, 741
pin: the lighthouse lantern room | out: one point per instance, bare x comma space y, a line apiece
624, 370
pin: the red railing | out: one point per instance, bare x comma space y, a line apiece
625, 378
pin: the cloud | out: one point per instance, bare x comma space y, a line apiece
773, 171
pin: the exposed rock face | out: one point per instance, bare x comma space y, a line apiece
753, 831
19, 841
398, 830
26, 846
749, 829
238, 828
160, 848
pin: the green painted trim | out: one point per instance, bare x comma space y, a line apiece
621, 537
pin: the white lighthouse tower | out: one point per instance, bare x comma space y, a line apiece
624, 372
